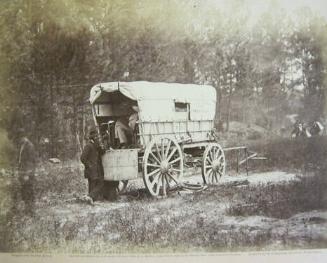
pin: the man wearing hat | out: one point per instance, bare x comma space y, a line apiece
125, 128
26, 171
91, 158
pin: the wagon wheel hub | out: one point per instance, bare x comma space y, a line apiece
215, 165
165, 166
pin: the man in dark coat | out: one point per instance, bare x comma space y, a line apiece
91, 158
26, 171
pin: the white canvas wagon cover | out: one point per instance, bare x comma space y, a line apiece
156, 100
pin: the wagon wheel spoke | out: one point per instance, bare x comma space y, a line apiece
162, 150
213, 153
210, 156
220, 154
210, 179
170, 174
171, 154
216, 150
157, 183
154, 172
164, 193
176, 160
158, 152
208, 159
153, 165
155, 180
167, 181
210, 174
167, 151
221, 164
215, 177
154, 157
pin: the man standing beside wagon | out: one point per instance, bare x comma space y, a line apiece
91, 158
98, 189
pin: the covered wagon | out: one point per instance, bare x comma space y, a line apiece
173, 120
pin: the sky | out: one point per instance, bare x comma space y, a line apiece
257, 7
318, 6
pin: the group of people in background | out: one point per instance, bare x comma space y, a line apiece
314, 128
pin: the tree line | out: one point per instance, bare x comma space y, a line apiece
53, 52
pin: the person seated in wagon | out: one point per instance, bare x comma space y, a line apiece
125, 129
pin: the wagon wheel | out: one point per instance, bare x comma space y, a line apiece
122, 185
162, 165
213, 164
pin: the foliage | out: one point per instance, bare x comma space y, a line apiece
52, 52
304, 154
282, 201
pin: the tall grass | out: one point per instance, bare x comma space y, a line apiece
193, 222
306, 154
282, 201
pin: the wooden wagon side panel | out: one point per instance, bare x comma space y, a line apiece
120, 164
195, 131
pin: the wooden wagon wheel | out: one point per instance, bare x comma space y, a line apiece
162, 165
213, 163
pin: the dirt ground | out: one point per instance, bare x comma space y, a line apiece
184, 221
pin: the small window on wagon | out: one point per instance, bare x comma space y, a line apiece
183, 109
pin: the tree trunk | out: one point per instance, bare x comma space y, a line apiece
229, 101
52, 116
228, 109
83, 125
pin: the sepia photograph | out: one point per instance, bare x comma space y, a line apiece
168, 127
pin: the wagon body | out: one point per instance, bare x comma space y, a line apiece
172, 117
184, 112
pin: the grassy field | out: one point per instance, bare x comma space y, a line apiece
224, 217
